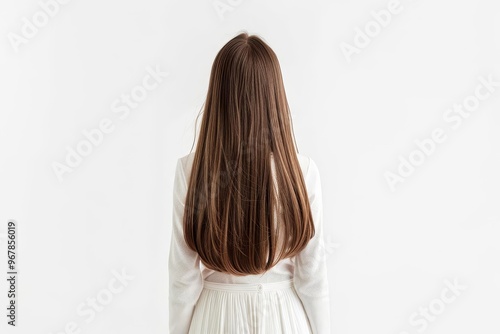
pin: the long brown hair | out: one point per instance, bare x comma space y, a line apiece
237, 217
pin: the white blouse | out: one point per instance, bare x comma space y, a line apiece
308, 268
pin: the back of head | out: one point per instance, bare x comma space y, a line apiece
246, 205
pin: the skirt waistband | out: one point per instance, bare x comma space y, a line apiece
248, 286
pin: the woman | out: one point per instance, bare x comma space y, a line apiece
246, 253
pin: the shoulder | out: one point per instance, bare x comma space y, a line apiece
184, 164
186, 160
311, 176
309, 167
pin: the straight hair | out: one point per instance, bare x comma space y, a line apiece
246, 205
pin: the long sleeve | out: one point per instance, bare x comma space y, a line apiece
310, 271
185, 278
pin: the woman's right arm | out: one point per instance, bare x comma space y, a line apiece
310, 271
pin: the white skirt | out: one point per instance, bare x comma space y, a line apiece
255, 308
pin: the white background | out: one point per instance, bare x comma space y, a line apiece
389, 252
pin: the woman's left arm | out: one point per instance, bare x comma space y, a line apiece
185, 278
